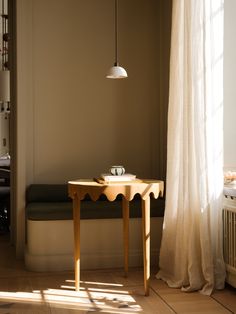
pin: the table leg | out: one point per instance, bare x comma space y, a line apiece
125, 210
146, 242
76, 218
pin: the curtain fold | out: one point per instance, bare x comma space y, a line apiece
191, 248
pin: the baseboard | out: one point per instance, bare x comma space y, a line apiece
97, 260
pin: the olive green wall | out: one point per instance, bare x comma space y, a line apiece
72, 122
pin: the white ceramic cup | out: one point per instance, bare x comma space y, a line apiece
117, 170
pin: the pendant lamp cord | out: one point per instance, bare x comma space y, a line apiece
116, 32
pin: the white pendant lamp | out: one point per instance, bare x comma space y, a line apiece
116, 71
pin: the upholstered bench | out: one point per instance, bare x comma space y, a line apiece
49, 223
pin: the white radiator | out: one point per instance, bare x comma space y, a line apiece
229, 235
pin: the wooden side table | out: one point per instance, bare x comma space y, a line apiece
79, 188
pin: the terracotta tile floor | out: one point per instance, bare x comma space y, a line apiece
102, 291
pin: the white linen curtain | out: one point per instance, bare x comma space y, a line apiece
191, 247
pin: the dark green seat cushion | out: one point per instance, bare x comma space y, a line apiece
50, 193
51, 202
47, 193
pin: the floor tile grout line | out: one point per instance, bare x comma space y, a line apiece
169, 306
222, 305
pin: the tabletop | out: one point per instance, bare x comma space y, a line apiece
144, 187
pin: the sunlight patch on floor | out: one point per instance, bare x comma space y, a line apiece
90, 298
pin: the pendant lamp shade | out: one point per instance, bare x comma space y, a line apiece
4, 86
116, 71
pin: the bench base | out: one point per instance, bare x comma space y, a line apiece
50, 244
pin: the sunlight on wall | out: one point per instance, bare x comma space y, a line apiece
229, 85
